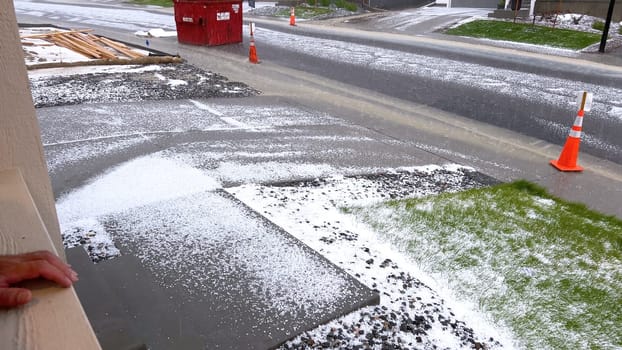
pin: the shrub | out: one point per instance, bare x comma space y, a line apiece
598, 25
325, 3
346, 5
351, 7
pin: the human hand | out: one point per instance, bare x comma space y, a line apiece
17, 268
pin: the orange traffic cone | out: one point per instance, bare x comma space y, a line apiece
252, 53
568, 158
292, 16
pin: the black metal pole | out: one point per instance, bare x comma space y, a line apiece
603, 40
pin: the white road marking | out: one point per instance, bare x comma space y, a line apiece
205, 107
229, 120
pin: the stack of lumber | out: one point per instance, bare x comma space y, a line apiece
87, 44
96, 50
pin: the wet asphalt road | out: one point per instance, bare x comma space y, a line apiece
546, 121
518, 112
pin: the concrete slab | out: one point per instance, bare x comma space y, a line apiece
102, 301
205, 271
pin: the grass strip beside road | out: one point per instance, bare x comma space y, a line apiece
163, 3
314, 8
548, 269
526, 33
305, 12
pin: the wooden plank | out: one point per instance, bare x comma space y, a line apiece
81, 46
102, 50
121, 48
60, 41
84, 47
57, 32
93, 41
20, 136
54, 319
110, 51
94, 38
78, 46
99, 42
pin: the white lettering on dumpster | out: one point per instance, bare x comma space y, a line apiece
235, 7
187, 19
223, 16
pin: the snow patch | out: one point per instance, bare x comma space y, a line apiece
135, 183
544, 202
156, 33
207, 240
92, 236
58, 156
616, 112
270, 171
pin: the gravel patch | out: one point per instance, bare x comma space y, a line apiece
164, 82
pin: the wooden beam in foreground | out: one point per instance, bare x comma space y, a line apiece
54, 319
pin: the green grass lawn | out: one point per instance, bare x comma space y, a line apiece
317, 8
305, 12
549, 270
526, 33
163, 3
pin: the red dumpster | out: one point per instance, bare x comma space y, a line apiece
208, 22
